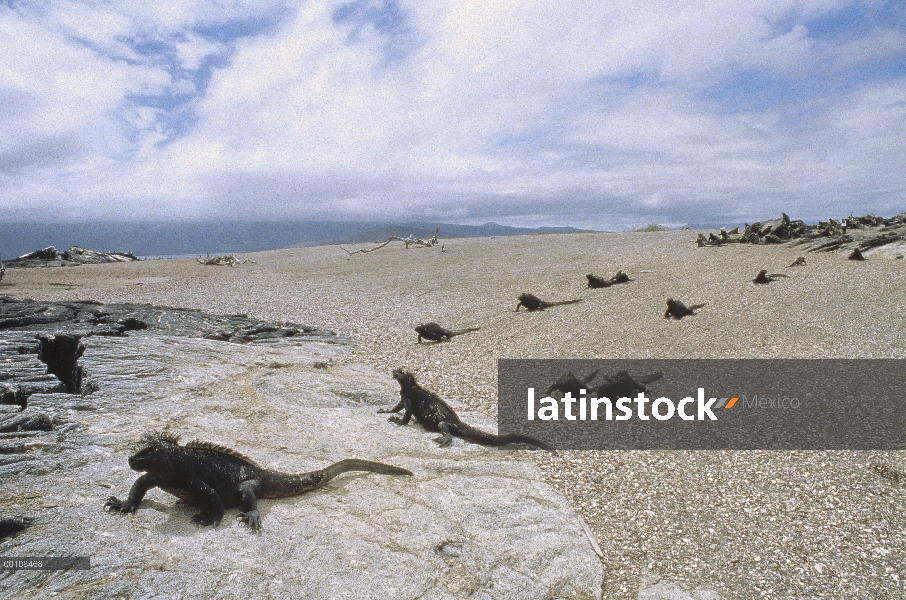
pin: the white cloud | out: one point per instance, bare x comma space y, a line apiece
466, 110
881, 44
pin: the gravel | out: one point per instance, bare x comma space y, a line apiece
751, 524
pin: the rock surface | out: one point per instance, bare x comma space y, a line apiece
664, 590
88, 318
75, 256
473, 522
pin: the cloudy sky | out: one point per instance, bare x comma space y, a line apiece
594, 114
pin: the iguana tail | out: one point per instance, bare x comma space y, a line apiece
282, 485
515, 438
561, 303
477, 436
462, 331
695, 306
355, 464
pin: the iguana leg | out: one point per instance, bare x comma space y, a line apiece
207, 495
249, 490
136, 494
399, 406
404, 420
446, 438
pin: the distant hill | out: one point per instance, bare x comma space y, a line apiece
447, 230
222, 237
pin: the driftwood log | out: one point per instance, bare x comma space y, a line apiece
225, 259
409, 241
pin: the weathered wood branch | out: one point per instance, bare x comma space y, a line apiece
409, 241
224, 259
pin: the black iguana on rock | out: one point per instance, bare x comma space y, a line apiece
213, 478
436, 333
532, 302
434, 414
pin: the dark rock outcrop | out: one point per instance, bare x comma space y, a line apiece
61, 354
12, 394
49, 257
851, 233
11, 525
25, 421
88, 318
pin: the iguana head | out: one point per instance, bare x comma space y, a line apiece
567, 382
403, 376
153, 451
622, 383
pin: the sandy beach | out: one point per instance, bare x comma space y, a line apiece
741, 524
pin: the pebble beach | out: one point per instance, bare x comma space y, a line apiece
718, 524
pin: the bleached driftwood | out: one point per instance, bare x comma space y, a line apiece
224, 259
409, 241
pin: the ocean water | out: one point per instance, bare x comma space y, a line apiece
187, 239
162, 238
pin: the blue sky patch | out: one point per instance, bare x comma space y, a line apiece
857, 21
386, 17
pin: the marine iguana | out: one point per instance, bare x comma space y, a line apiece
763, 276
212, 478
436, 333
620, 384
678, 310
595, 282
620, 277
532, 302
569, 383
856, 255
799, 262
599, 282
434, 414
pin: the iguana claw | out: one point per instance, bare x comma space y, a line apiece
114, 504
251, 517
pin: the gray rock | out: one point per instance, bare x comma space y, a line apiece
93, 318
75, 256
25, 421
473, 522
665, 590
